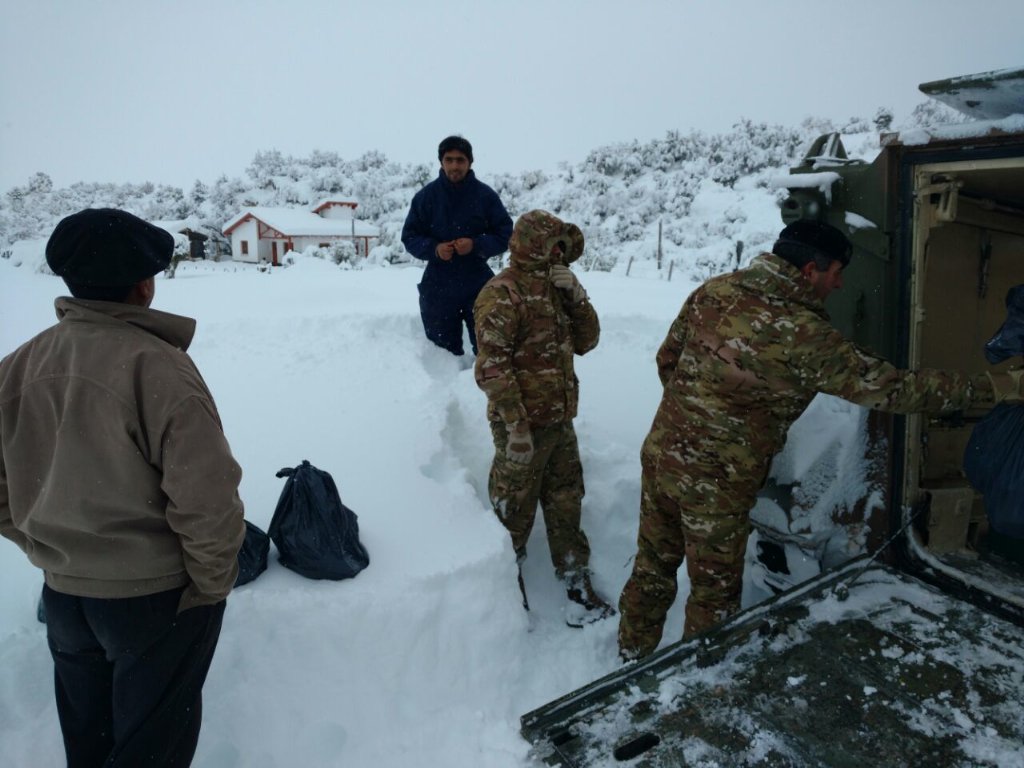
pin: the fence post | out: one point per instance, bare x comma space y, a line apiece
659, 245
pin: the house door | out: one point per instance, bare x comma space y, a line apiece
273, 253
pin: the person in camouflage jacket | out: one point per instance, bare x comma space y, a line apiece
744, 358
531, 319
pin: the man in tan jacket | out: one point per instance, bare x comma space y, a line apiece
116, 480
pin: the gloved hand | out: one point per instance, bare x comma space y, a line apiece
519, 447
1006, 385
563, 278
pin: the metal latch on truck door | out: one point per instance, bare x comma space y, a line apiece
948, 192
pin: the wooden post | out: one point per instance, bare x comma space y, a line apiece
629, 266
671, 264
659, 245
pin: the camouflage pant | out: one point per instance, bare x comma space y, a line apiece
554, 478
701, 513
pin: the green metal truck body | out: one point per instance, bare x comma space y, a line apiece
923, 664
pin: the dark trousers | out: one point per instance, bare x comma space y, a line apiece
129, 676
443, 318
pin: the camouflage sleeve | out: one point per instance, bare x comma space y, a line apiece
672, 347
830, 363
586, 328
497, 325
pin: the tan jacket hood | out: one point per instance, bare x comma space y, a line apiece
534, 236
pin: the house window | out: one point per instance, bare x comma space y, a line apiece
324, 245
245, 247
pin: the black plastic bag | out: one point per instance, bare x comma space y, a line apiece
315, 534
252, 557
994, 464
1008, 341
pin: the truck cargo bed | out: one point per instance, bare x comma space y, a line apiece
898, 674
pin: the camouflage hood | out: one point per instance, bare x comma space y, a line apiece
535, 234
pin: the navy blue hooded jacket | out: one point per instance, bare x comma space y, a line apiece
443, 211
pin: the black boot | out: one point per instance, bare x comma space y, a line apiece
588, 606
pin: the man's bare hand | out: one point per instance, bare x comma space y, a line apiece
463, 245
445, 251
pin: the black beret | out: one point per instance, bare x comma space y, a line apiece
455, 144
800, 241
106, 247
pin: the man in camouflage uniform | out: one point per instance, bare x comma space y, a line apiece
531, 319
745, 356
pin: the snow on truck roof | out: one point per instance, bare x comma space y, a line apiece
985, 96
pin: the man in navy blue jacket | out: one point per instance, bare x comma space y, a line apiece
455, 224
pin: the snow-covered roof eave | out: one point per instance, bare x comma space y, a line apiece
972, 129
230, 224
363, 231
298, 222
321, 204
176, 226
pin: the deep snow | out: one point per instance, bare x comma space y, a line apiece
427, 657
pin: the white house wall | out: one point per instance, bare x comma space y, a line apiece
302, 243
264, 250
245, 231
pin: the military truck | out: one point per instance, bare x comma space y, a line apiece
910, 653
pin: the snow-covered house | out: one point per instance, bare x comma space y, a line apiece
265, 234
193, 239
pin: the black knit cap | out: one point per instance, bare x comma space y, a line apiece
455, 144
802, 240
105, 247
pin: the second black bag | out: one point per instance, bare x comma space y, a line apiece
315, 534
252, 557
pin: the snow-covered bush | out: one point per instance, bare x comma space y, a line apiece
342, 253
618, 195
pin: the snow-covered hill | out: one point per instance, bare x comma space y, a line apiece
705, 193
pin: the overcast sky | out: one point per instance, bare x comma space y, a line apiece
153, 90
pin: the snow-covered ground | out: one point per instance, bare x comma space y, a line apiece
427, 657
